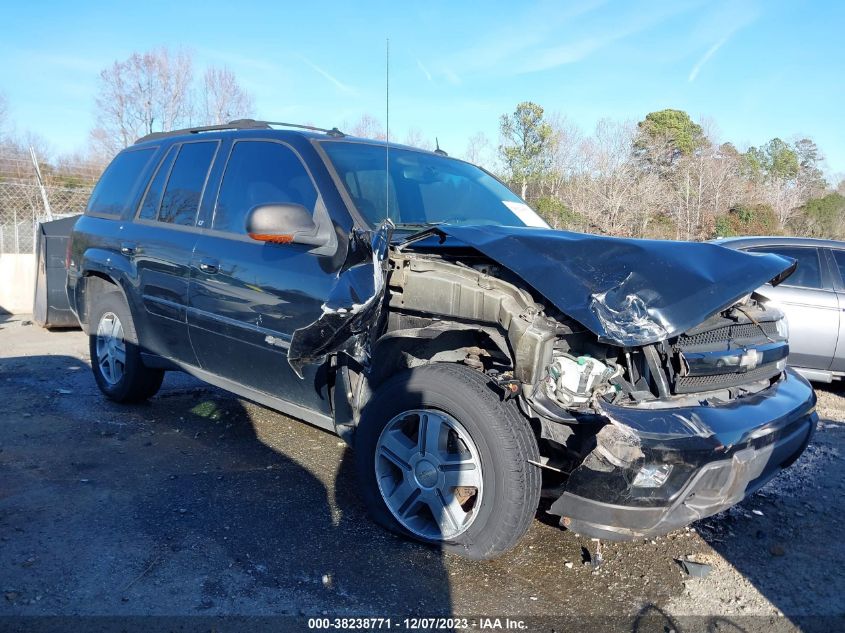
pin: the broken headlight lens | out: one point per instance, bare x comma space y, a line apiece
652, 476
783, 331
783, 327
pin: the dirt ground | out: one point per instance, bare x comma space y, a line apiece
199, 503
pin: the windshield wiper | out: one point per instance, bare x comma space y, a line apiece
413, 226
429, 224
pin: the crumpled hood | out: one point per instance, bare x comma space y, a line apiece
629, 292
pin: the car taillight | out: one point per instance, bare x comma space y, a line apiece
67, 255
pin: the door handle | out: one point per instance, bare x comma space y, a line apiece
128, 248
209, 266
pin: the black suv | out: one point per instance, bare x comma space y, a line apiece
411, 303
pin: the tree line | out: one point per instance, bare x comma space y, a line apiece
665, 176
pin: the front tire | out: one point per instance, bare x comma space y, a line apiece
115, 356
441, 458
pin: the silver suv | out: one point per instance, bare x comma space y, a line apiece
813, 299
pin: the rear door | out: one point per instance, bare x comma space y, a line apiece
248, 297
810, 304
837, 259
162, 243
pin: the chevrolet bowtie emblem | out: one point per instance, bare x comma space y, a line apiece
749, 359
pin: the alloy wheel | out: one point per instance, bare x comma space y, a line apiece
111, 348
428, 471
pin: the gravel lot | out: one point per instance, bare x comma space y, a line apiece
200, 503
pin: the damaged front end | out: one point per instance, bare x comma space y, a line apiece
638, 441
652, 470
654, 379
354, 307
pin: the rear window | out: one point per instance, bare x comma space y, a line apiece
113, 192
839, 256
183, 192
152, 200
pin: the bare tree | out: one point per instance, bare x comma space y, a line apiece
223, 99
565, 158
4, 114
784, 196
368, 127
145, 93
479, 151
415, 138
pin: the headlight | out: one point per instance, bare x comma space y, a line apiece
652, 476
783, 327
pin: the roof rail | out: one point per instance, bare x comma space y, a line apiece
332, 132
237, 124
240, 124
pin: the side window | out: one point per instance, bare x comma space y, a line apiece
183, 192
260, 172
111, 195
152, 199
808, 273
839, 256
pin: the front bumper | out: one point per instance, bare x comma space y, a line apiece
719, 454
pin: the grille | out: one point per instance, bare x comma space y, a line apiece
731, 332
690, 384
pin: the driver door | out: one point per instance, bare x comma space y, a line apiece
248, 297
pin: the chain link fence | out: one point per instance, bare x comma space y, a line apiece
22, 207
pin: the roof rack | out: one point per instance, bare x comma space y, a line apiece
238, 124
332, 132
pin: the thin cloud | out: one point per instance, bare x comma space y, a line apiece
337, 83
706, 57
532, 42
721, 25
423, 70
452, 77
518, 39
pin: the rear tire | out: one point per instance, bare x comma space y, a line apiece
468, 485
115, 356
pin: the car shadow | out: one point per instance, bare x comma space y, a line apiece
269, 503
211, 506
5, 316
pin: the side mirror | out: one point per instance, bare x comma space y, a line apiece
282, 223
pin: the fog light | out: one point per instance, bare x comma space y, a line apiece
652, 476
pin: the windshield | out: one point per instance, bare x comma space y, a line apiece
423, 188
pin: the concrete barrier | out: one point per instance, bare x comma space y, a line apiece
17, 283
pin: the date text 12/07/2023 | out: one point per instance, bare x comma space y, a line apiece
417, 623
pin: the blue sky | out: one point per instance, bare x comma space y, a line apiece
757, 69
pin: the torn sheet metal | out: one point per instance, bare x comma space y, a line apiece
628, 292
352, 309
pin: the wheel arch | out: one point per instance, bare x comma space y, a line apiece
443, 341
403, 349
93, 283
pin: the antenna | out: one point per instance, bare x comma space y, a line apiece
387, 132
438, 150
